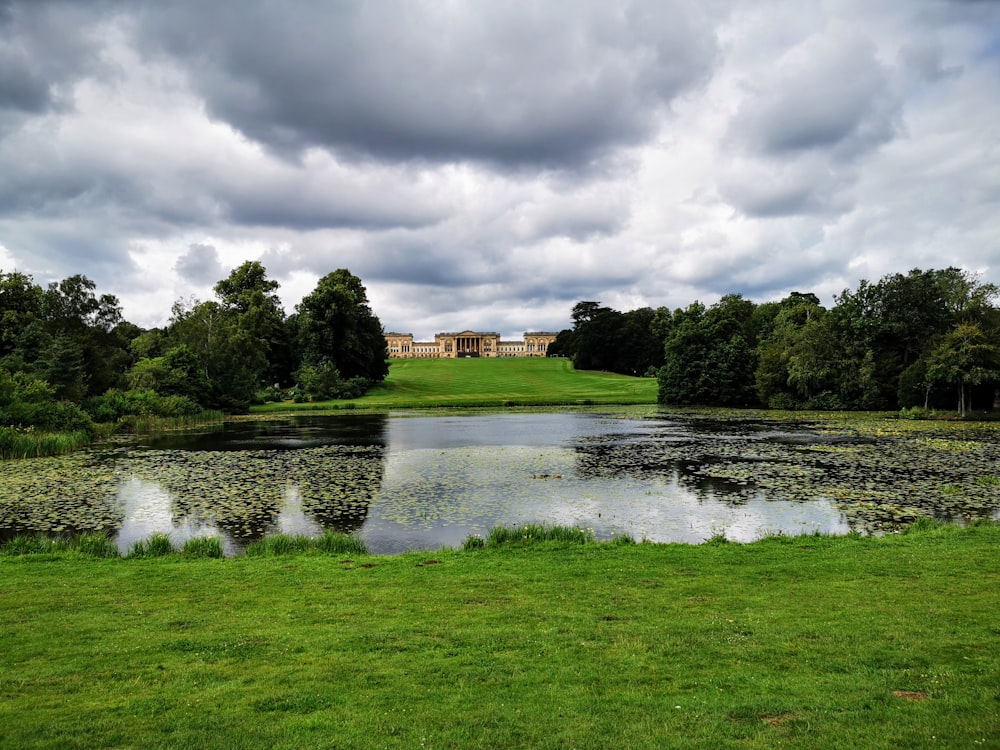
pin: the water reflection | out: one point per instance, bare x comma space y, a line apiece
406, 481
450, 477
193, 494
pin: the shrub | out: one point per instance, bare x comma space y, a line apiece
110, 407
51, 416
782, 402
149, 403
271, 394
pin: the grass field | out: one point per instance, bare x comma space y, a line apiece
808, 642
536, 381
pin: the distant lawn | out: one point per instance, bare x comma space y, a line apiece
536, 381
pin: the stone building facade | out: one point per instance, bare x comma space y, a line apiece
467, 344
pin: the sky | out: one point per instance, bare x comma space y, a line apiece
487, 164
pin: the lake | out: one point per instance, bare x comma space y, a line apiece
414, 480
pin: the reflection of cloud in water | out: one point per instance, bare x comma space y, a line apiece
292, 519
676, 514
148, 509
458, 491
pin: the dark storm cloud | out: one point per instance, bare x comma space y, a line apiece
358, 201
55, 249
42, 48
825, 104
21, 88
805, 186
555, 83
200, 265
828, 93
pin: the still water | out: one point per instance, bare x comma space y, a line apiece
413, 481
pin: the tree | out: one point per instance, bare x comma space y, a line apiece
685, 356
176, 373
249, 295
74, 312
606, 339
783, 334
964, 357
20, 305
226, 355
640, 351
597, 340
709, 355
248, 287
564, 345
890, 324
337, 329
586, 311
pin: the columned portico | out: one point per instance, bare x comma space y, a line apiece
467, 344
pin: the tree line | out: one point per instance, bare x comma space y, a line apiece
924, 339
68, 358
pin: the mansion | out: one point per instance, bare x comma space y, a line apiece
467, 344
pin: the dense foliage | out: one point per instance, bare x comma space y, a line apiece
926, 339
68, 359
605, 339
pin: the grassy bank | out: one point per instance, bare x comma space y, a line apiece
537, 381
789, 642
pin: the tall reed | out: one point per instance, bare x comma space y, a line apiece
287, 544
17, 442
157, 545
86, 544
532, 533
202, 546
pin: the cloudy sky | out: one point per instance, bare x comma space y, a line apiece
488, 164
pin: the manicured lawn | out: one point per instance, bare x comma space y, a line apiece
808, 642
493, 382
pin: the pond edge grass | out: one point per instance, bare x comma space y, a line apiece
100, 545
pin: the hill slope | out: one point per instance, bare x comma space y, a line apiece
499, 382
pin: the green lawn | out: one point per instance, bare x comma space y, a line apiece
808, 642
494, 382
